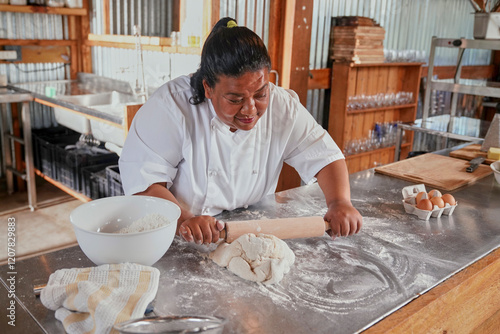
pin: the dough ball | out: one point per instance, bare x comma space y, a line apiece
259, 258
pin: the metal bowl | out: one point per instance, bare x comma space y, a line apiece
172, 324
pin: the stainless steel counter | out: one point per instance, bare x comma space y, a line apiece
55, 94
85, 84
341, 286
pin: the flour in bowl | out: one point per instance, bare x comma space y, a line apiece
146, 223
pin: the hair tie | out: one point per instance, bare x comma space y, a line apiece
231, 24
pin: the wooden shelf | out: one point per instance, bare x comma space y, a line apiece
63, 187
44, 10
398, 106
369, 79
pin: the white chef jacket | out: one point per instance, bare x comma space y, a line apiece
207, 167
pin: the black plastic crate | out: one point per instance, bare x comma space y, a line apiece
47, 152
41, 135
114, 181
70, 161
94, 182
98, 185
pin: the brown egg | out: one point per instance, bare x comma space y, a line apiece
437, 201
447, 198
420, 195
425, 204
434, 193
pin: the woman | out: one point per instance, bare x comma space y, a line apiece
217, 140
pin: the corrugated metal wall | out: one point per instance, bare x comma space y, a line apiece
34, 26
409, 25
153, 16
154, 19
253, 14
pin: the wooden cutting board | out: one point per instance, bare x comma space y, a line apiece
470, 152
435, 171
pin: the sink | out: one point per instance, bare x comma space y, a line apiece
107, 102
106, 132
108, 98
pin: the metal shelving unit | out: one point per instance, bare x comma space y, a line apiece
455, 86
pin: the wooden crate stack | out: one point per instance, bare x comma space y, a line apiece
357, 39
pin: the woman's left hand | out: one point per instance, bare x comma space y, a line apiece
344, 219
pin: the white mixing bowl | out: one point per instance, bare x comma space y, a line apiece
94, 223
496, 170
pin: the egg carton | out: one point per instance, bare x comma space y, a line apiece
410, 204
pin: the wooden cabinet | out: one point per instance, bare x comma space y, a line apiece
345, 125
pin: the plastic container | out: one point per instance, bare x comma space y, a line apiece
487, 25
48, 133
114, 181
19, 2
48, 147
94, 181
410, 204
73, 3
55, 3
70, 161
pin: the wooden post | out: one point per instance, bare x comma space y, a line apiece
176, 15
130, 111
215, 14
105, 17
293, 58
276, 29
86, 54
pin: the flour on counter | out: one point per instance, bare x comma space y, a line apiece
146, 223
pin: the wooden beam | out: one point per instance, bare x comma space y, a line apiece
159, 48
43, 54
105, 17
44, 10
176, 15
296, 46
63, 187
319, 79
468, 72
35, 42
73, 26
130, 111
276, 31
215, 14
294, 60
128, 39
467, 302
86, 54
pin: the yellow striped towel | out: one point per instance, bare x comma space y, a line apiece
91, 300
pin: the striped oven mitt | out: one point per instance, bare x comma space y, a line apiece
91, 300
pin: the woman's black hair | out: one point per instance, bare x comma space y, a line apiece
230, 51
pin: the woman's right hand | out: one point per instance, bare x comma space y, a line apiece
201, 229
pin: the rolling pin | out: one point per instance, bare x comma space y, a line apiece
283, 228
